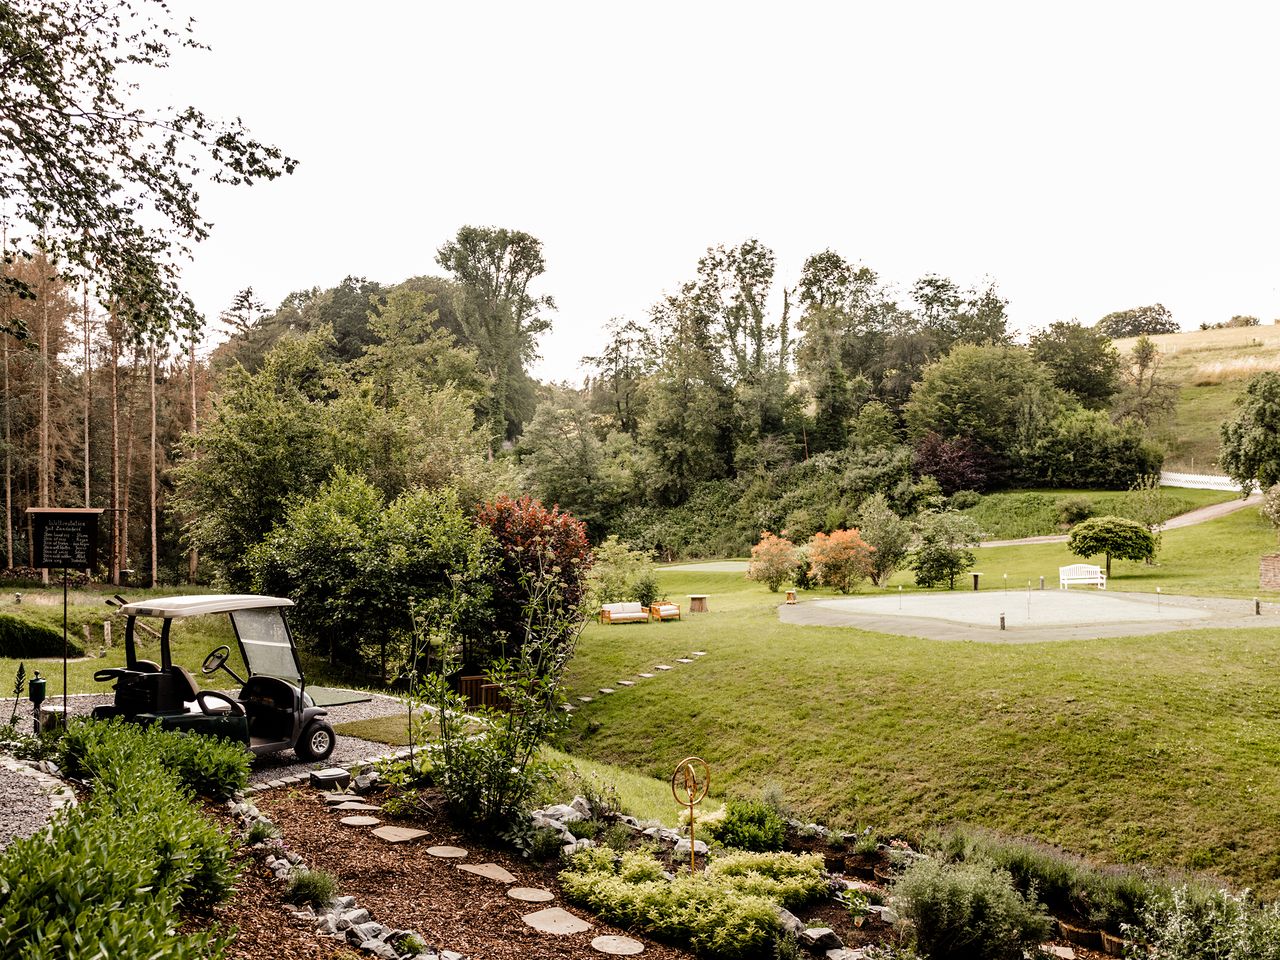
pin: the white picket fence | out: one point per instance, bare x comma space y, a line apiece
1198, 481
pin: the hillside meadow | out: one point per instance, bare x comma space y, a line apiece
1161, 749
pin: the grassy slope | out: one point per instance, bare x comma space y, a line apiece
1160, 749
1033, 513
1213, 367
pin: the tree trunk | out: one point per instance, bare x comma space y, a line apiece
128, 461
8, 452
88, 388
44, 467
193, 557
115, 447
151, 376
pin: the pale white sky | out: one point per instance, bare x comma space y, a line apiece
1088, 157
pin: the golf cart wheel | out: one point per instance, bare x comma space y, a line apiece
317, 742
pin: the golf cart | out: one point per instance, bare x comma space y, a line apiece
273, 711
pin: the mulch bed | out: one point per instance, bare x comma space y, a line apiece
403, 886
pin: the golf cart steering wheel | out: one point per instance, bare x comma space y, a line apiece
217, 660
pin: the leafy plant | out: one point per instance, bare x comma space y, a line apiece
1071, 510
1193, 925
19, 681
750, 825
942, 552
968, 911
207, 765
261, 831
840, 560
1116, 537
315, 888
773, 561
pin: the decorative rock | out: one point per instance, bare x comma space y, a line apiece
564, 813
585, 699
699, 653
606, 689
530, 895
354, 805
647, 676
682, 847
557, 921
367, 780
617, 946
684, 660
448, 853
490, 871
580, 804
626, 683
846, 953
327, 925
359, 821
327, 779
887, 914
352, 917
398, 834
363, 932
662, 666
344, 903
1065, 953
822, 938
380, 948
790, 922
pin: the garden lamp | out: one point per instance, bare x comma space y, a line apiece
35, 693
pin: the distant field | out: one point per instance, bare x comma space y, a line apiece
1213, 367
1033, 513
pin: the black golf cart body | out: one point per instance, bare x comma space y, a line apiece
273, 710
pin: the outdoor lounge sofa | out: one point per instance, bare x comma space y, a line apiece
624, 613
664, 610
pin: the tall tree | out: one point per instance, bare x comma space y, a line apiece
1145, 395
1083, 361
1137, 321
109, 182
500, 317
618, 388
1251, 439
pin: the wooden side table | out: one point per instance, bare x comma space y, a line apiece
791, 596
698, 602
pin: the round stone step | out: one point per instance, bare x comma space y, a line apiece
530, 895
617, 946
447, 853
359, 821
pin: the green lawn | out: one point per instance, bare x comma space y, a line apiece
1013, 514
1161, 749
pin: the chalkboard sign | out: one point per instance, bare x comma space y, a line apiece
65, 538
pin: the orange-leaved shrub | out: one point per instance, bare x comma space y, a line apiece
773, 560
839, 560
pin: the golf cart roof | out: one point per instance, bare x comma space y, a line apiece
200, 604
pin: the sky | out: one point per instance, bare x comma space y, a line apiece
1087, 157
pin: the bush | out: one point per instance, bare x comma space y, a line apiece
1191, 925
964, 500
968, 911
1071, 510
206, 765
314, 888
23, 639
718, 915
750, 825
943, 551
619, 574
773, 561
840, 560
112, 875
888, 535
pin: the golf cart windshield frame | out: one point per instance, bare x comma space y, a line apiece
260, 626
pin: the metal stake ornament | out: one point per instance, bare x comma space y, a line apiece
686, 780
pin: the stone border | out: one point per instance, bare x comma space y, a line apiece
305, 778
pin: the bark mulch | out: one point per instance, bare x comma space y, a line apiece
403, 886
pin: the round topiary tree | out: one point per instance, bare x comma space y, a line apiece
1116, 537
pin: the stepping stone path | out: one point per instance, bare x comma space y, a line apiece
356, 805
626, 683
647, 676
530, 895
359, 821
448, 853
662, 666
585, 699
557, 921
617, 946
606, 689
335, 798
684, 660
398, 834
490, 871
699, 653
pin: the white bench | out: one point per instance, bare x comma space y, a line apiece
1081, 573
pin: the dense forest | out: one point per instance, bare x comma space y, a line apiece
741, 403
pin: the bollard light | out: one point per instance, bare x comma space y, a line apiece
36, 689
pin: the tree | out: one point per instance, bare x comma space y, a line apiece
1117, 537
942, 550
618, 387
1082, 361
1251, 439
1146, 396
107, 184
956, 316
500, 317
957, 464
888, 535
840, 560
1148, 504
565, 458
1136, 321
1086, 449
773, 561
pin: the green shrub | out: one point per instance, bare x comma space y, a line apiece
21, 638
261, 832
784, 878
314, 888
1193, 925
968, 911
964, 500
1071, 510
112, 875
209, 766
714, 915
750, 825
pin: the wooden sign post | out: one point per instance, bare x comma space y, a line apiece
66, 538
